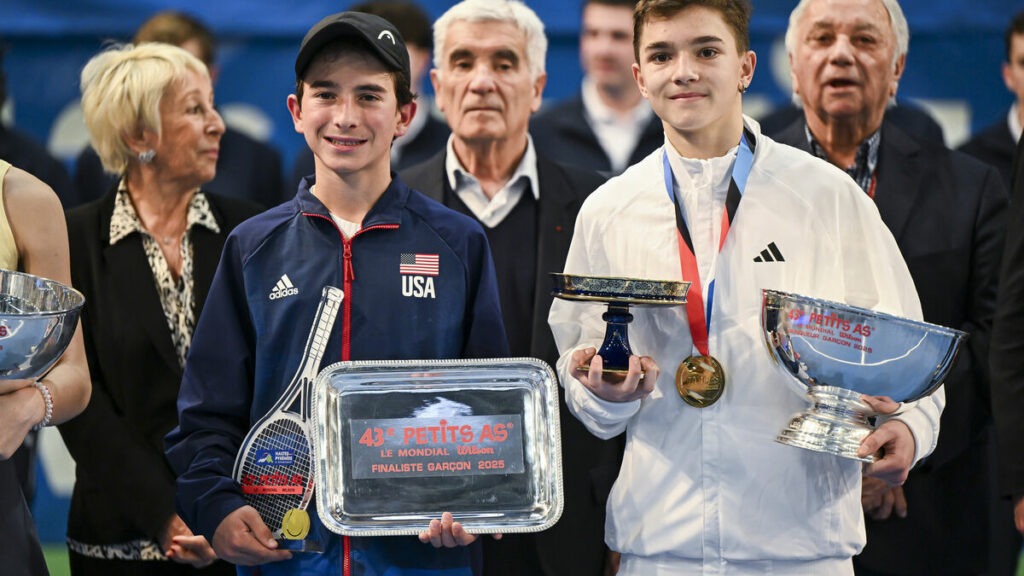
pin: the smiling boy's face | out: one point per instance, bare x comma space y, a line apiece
691, 69
349, 113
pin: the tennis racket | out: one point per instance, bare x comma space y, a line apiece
274, 466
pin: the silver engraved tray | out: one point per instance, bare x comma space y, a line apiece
399, 442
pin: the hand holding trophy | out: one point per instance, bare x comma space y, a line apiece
37, 322
638, 382
837, 354
275, 463
619, 294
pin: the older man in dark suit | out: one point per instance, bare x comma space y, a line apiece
946, 212
488, 78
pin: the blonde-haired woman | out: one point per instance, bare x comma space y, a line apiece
144, 256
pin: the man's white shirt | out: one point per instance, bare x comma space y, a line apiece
617, 135
491, 211
1013, 122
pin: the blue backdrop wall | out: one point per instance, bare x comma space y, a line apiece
956, 50
953, 69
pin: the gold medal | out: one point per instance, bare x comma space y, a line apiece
295, 525
700, 381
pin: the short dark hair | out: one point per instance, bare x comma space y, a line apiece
1016, 29
177, 28
736, 14
355, 45
408, 18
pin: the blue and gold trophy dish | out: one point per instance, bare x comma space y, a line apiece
619, 294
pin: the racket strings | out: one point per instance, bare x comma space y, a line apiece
279, 465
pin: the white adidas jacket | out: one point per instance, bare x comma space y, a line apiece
709, 490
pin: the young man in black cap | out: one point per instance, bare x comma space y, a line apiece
350, 226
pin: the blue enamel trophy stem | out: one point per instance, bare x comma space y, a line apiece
615, 350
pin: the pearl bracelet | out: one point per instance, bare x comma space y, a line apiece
48, 401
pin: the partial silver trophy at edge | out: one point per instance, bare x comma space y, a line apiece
37, 320
834, 353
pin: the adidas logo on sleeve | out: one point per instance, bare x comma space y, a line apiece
283, 288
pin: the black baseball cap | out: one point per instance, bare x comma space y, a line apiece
380, 34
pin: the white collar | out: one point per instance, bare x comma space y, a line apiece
601, 113
697, 170
1013, 121
527, 168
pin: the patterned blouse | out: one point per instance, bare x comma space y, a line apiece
176, 298
177, 301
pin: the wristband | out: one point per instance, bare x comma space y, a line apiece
47, 401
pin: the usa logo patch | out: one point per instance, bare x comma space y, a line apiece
418, 271
419, 264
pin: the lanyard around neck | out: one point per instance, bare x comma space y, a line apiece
699, 317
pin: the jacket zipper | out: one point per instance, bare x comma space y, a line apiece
348, 275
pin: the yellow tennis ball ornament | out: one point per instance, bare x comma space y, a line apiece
295, 525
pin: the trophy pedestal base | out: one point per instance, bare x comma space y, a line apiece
609, 373
308, 546
836, 424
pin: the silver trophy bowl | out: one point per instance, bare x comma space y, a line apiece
37, 320
835, 353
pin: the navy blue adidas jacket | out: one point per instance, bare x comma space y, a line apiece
253, 329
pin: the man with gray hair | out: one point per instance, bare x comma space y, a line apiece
946, 212
488, 79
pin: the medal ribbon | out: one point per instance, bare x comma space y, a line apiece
699, 317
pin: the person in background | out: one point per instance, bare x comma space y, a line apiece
489, 77
246, 168
350, 226
704, 488
1007, 354
607, 126
427, 134
22, 151
33, 239
144, 255
946, 211
996, 144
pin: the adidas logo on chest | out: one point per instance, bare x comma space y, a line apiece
283, 288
